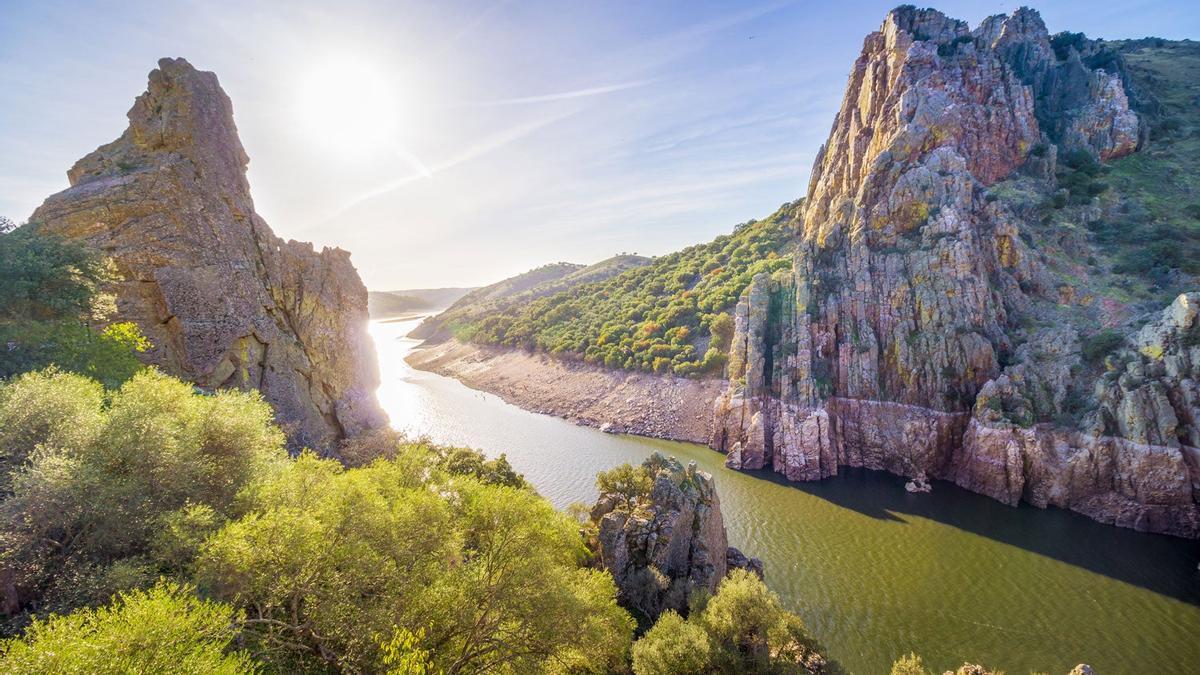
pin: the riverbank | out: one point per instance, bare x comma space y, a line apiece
672, 408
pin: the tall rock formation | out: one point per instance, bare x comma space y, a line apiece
224, 301
905, 337
663, 545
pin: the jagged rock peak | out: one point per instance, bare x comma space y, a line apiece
225, 302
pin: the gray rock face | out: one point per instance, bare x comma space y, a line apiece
225, 302
662, 547
883, 347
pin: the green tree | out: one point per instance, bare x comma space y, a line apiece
910, 665
626, 482
673, 647
741, 629
334, 566
49, 294
165, 629
94, 482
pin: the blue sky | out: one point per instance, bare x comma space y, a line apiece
511, 133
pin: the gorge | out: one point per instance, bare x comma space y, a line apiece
936, 318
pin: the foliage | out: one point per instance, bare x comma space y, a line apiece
660, 317
1101, 344
910, 665
673, 646
46, 277
99, 484
627, 482
331, 563
741, 629
165, 629
49, 292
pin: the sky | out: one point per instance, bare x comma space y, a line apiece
449, 143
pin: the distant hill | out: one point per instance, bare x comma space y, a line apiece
664, 315
389, 304
520, 290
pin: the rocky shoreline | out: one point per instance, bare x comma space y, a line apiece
671, 408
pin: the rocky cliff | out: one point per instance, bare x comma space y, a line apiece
225, 302
924, 328
665, 543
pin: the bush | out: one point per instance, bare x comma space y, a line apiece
49, 292
1099, 345
341, 566
627, 482
672, 646
165, 629
95, 481
741, 629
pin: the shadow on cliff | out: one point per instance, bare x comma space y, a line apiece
1159, 563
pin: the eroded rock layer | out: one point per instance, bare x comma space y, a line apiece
224, 301
909, 336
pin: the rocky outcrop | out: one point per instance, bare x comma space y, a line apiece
224, 301
906, 337
662, 545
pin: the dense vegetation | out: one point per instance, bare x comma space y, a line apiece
673, 315
521, 290
740, 629
326, 567
49, 297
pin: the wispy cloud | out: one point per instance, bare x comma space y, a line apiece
474, 151
560, 96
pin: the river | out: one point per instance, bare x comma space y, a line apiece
874, 571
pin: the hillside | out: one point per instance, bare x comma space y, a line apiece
671, 315
518, 291
389, 304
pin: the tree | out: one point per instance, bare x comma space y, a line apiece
356, 568
95, 481
49, 295
626, 482
741, 629
910, 665
165, 629
673, 647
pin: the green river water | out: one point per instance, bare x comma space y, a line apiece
874, 571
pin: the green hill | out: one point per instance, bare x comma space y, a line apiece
671, 315
520, 290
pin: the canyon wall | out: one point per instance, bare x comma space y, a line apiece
919, 331
224, 301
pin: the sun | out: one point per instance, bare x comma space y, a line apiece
349, 104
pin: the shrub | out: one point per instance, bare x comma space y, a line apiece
1100, 344
672, 646
338, 564
165, 629
105, 477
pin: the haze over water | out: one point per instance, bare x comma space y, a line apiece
875, 572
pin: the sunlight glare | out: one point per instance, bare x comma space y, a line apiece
349, 104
